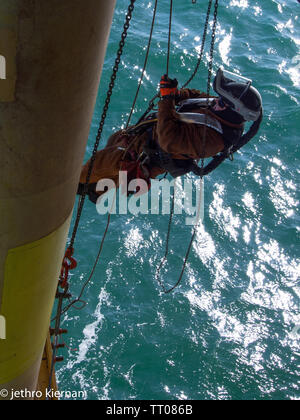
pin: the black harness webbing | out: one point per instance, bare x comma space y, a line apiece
217, 160
154, 155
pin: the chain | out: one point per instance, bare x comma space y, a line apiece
202, 45
152, 101
145, 64
169, 38
210, 69
103, 118
63, 295
212, 47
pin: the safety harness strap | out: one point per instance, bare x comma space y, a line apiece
217, 160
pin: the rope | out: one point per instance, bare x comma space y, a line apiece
164, 259
169, 38
103, 118
145, 65
152, 101
202, 45
93, 269
71, 304
210, 69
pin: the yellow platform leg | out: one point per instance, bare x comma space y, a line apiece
52, 56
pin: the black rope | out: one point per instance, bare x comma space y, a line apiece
61, 297
210, 69
169, 37
202, 45
164, 259
145, 65
152, 101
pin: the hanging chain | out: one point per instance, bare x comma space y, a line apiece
103, 118
145, 65
210, 69
64, 282
61, 297
164, 259
169, 37
212, 47
202, 45
152, 101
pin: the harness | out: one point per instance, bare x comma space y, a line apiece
153, 155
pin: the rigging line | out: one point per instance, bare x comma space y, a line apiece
86, 283
204, 144
101, 245
202, 45
210, 71
145, 64
72, 303
169, 38
57, 325
127, 148
164, 259
103, 118
198, 219
151, 102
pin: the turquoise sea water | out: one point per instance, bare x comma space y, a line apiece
230, 330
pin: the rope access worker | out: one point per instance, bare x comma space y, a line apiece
187, 127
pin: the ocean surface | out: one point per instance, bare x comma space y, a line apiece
231, 328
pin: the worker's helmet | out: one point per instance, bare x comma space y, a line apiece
238, 93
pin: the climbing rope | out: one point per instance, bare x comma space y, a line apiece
101, 125
145, 64
169, 37
164, 259
79, 298
152, 103
210, 70
204, 36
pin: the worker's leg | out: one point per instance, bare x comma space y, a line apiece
107, 165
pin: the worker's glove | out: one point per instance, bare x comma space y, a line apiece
168, 87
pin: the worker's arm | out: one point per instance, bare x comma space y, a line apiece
184, 94
177, 137
180, 138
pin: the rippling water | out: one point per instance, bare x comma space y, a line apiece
230, 330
